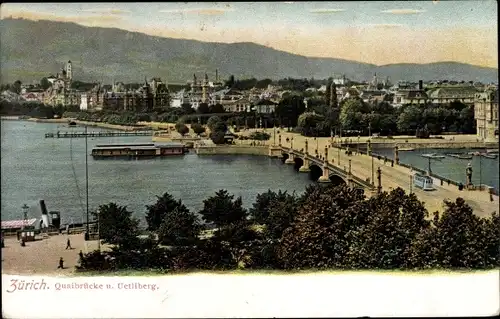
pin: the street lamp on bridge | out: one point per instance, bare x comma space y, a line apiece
25, 215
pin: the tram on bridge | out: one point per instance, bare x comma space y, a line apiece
423, 182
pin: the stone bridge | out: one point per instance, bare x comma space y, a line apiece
327, 162
319, 168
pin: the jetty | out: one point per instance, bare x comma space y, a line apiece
97, 134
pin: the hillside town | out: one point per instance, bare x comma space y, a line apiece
154, 94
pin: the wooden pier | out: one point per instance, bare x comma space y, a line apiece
97, 134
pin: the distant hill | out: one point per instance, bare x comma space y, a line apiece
31, 50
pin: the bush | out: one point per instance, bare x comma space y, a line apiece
260, 136
198, 128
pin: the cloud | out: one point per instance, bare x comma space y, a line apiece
326, 10
107, 11
403, 11
201, 11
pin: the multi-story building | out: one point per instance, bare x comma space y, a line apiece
150, 96
410, 96
486, 114
444, 95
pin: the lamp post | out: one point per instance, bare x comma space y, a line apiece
480, 172
25, 215
274, 135
87, 179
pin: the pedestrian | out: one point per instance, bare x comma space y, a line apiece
61, 263
68, 244
81, 255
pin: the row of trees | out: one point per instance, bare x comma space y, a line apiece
328, 227
354, 114
34, 109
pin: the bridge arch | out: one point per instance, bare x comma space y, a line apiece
284, 156
337, 180
298, 162
315, 172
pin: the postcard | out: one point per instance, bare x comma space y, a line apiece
249, 159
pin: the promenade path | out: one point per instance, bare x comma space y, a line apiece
392, 177
42, 256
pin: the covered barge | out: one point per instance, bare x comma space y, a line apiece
133, 151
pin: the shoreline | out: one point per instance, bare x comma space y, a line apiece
458, 141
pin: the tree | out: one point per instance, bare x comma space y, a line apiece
198, 128
223, 210
45, 84
260, 207
217, 108
203, 108
181, 128
318, 235
16, 87
116, 225
289, 109
281, 212
179, 227
212, 121
187, 108
385, 239
457, 239
156, 213
308, 122
351, 114
230, 82
333, 103
218, 137
263, 84
410, 119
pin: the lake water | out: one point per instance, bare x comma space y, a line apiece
484, 170
35, 167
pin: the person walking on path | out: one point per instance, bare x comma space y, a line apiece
61, 263
68, 244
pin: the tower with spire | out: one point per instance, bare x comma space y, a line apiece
69, 71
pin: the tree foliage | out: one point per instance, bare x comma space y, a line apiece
116, 225
222, 209
179, 227
198, 128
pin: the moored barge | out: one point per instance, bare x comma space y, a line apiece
138, 150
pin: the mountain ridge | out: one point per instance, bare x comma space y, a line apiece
33, 49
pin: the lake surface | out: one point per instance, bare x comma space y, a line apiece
35, 167
484, 170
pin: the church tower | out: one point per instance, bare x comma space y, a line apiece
204, 89
69, 71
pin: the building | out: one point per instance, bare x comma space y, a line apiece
265, 106
60, 92
444, 95
152, 95
486, 114
410, 96
202, 91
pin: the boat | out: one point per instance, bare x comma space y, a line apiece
461, 156
492, 156
492, 151
406, 149
434, 156
138, 150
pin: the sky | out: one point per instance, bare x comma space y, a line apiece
384, 32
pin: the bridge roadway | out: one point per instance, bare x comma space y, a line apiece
392, 177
